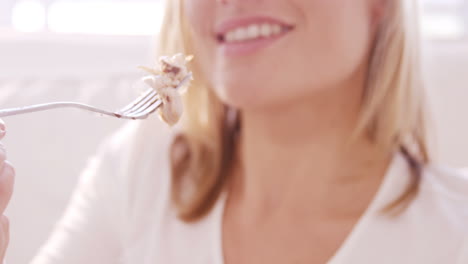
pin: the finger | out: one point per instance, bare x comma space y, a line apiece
5, 223
7, 180
3, 156
5, 234
2, 129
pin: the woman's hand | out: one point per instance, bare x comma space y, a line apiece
7, 179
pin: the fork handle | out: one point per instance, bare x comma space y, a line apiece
43, 107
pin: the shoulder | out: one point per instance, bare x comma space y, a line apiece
444, 195
448, 182
138, 133
136, 142
134, 160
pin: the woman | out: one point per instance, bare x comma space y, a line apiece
303, 142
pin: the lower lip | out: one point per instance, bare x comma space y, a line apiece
250, 46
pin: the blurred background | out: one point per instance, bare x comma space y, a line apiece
88, 51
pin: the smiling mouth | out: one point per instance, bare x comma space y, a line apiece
243, 36
253, 32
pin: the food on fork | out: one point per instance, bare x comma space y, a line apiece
164, 80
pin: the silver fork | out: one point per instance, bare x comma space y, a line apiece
140, 108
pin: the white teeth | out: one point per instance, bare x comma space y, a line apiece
240, 34
266, 30
253, 31
229, 37
276, 29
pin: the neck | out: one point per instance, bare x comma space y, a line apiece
301, 155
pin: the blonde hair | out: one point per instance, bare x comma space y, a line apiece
392, 113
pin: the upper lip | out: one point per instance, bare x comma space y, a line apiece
229, 24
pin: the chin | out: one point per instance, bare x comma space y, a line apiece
244, 97
240, 94
238, 98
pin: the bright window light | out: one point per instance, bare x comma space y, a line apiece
107, 18
28, 16
439, 26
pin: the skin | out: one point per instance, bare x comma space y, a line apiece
298, 186
7, 179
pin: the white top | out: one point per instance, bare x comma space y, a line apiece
121, 213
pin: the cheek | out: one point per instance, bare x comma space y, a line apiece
328, 49
199, 16
196, 12
336, 40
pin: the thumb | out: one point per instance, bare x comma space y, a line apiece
2, 129
7, 181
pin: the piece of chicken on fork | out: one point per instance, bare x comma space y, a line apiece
164, 80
